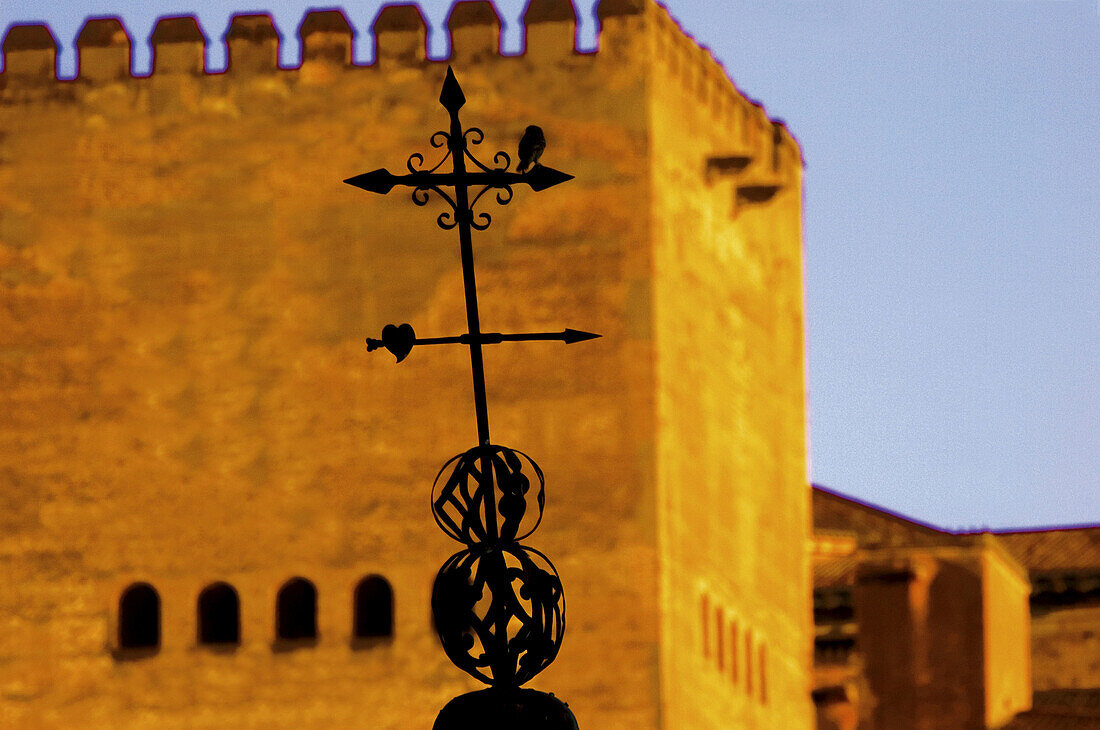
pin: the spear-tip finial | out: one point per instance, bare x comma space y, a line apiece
376, 181
451, 97
570, 336
542, 177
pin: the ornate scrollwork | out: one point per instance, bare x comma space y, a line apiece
415, 163
484, 497
500, 159
473, 135
508, 639
448, 219
481, 220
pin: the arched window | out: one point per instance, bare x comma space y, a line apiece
373, 608
219, 615
296, 610
139, 617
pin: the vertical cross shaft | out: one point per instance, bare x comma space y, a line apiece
502, 663
462, 199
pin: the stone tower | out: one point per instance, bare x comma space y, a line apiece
188, 412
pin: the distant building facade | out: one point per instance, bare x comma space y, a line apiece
918, 627
216, 501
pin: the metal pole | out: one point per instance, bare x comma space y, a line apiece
462, 199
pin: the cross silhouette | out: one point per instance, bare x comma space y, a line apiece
490, 497
400, 340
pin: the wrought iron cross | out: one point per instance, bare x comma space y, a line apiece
400, 340
480, 497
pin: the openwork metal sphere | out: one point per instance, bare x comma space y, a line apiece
500, 614
482, 496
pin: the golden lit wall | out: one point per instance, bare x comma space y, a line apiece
185, 285
1007, 635
732, 469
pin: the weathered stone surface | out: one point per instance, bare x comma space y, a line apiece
103, 50
549, 11
253, 43
30, 37
1066, 648
30, 54
327, 37
400, 35
550, 28
475, 31
179, 46
609, 8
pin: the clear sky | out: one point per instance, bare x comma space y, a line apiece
952, 227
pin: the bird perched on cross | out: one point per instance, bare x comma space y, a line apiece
531, 147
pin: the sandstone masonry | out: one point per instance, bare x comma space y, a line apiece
185, 397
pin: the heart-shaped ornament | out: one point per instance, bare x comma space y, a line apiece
398, 340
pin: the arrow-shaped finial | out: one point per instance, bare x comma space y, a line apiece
376, 181
543, 177
570, 336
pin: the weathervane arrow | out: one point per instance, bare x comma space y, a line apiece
400, 340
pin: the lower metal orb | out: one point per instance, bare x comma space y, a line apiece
500, 614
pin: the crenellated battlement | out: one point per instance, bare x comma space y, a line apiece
252, 43
30, 53
628, 30
103, 50
179, 46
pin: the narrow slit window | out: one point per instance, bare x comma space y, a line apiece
706, 626
734, 660
748, 662
720, 641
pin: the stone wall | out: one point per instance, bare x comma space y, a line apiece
185, 285
1006, 631
944, 635
732, 468
1065, 648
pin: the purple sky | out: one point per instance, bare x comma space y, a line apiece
952, 228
